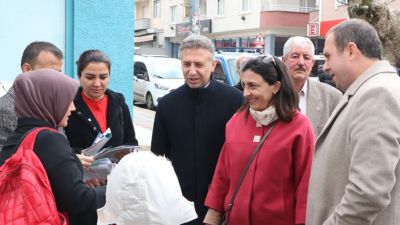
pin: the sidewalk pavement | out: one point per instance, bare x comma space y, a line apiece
143, 136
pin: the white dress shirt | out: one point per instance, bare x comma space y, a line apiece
303, 98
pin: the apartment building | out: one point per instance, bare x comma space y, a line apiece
149, 23
328, 14
233, 25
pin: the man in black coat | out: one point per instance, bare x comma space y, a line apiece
189, 127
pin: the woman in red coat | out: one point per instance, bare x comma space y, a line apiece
274, 189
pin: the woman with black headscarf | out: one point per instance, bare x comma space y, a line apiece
43, 98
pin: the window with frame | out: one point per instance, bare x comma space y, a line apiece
220, 7
144, 12
173, 14
340, 3
187, 11
245, 5
157, 8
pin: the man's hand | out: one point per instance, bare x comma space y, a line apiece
85, 160
121, 154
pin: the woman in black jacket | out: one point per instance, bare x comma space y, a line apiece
43, 98
98, 108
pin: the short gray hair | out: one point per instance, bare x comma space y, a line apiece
297, 41
244, 61
360, 33
198, 41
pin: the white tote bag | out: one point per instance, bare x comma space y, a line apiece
143, 189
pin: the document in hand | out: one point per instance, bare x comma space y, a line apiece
100, 168
110, 152
98, 143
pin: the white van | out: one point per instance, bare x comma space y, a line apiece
154, 77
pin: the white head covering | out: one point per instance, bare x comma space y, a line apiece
143, 189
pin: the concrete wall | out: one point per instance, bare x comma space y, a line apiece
109, 27
284, 19
232, 21
22, 22
331, 11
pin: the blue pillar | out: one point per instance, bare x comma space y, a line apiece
108, 26
238, 44
167, 46
69, 39
269, 48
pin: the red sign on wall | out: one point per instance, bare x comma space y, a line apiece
312, 30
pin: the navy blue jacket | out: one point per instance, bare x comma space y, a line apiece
189, 129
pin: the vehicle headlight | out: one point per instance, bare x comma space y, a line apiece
161, 87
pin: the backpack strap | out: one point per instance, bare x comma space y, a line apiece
27, 143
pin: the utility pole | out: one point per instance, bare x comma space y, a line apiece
194, 17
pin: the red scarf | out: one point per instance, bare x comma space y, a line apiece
99, 110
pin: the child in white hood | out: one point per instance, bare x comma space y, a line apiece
143, 189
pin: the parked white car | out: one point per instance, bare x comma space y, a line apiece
155, 77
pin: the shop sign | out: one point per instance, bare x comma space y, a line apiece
183, 29
312, 30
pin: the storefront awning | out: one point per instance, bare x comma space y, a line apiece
144, 38
326, 25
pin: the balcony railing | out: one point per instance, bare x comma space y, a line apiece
142, 24
287, 8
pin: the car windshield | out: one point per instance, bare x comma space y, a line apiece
166, 70
232, 70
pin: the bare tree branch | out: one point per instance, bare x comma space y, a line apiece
385, 21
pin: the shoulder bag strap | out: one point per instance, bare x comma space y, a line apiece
247, 167
28, 140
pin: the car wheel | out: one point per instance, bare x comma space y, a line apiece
149, 102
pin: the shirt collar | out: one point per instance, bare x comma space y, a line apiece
208, 84
304, 89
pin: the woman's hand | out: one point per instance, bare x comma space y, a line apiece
121, 154
94, 183
85, 160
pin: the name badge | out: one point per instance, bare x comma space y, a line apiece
257, 138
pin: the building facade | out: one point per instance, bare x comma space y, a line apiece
328, 14
234, 25
149, 23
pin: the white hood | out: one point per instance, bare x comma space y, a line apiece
143, 189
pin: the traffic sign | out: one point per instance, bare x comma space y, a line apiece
260, 48
259, 40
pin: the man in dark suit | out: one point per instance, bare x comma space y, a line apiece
189, 127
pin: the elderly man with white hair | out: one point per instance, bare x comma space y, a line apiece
317, 100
